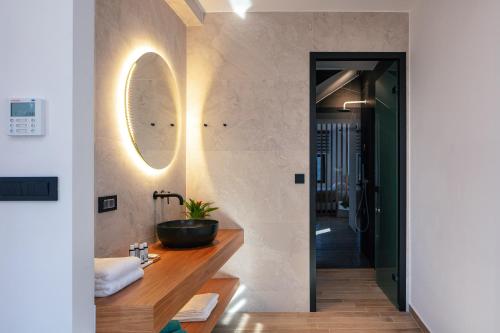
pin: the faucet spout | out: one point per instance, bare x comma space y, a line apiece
162, 195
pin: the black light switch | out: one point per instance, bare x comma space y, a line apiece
28, 188
107, 204
300, 178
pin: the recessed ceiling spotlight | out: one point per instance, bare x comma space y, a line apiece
240, 7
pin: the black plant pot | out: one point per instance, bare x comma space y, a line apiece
187, 233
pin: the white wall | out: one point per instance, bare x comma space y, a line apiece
83, 166
455, 82
47, 246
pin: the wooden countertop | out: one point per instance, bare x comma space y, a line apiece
148, 304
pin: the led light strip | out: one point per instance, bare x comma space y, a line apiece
123, 116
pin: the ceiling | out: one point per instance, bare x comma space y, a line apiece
214, 6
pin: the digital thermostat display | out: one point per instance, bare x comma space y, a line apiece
26, 117
25, 109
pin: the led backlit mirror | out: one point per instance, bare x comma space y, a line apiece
152, 117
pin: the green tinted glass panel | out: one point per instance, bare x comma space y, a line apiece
386, 181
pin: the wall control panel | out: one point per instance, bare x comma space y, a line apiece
107, 204
26, 117
28, 188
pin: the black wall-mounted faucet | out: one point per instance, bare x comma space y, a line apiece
162, 195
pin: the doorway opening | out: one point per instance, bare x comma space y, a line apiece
358, 175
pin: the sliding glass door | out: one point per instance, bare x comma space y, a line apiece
386, 181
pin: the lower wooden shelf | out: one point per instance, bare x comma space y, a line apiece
226, 288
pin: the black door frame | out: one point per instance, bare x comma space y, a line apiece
400, 57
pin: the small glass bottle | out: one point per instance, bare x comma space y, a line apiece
131, 250
141, 252
146, 252
136, 248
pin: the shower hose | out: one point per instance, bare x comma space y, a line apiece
363, 207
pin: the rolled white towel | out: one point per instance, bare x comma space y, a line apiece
110, 287
110, 269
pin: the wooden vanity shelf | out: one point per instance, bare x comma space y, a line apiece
147, 305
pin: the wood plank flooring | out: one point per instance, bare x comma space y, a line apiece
349, 301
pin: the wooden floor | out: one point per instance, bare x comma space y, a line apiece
349, 301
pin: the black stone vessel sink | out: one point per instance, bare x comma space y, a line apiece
187, 233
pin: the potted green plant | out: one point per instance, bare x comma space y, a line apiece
196, 210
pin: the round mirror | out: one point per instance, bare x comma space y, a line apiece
151, 102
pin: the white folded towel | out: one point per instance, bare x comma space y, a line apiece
107, 288
110, 269
198, 308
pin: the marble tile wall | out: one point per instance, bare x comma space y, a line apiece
122, 26
253, 75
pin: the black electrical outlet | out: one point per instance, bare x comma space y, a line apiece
107, 204
300, 178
